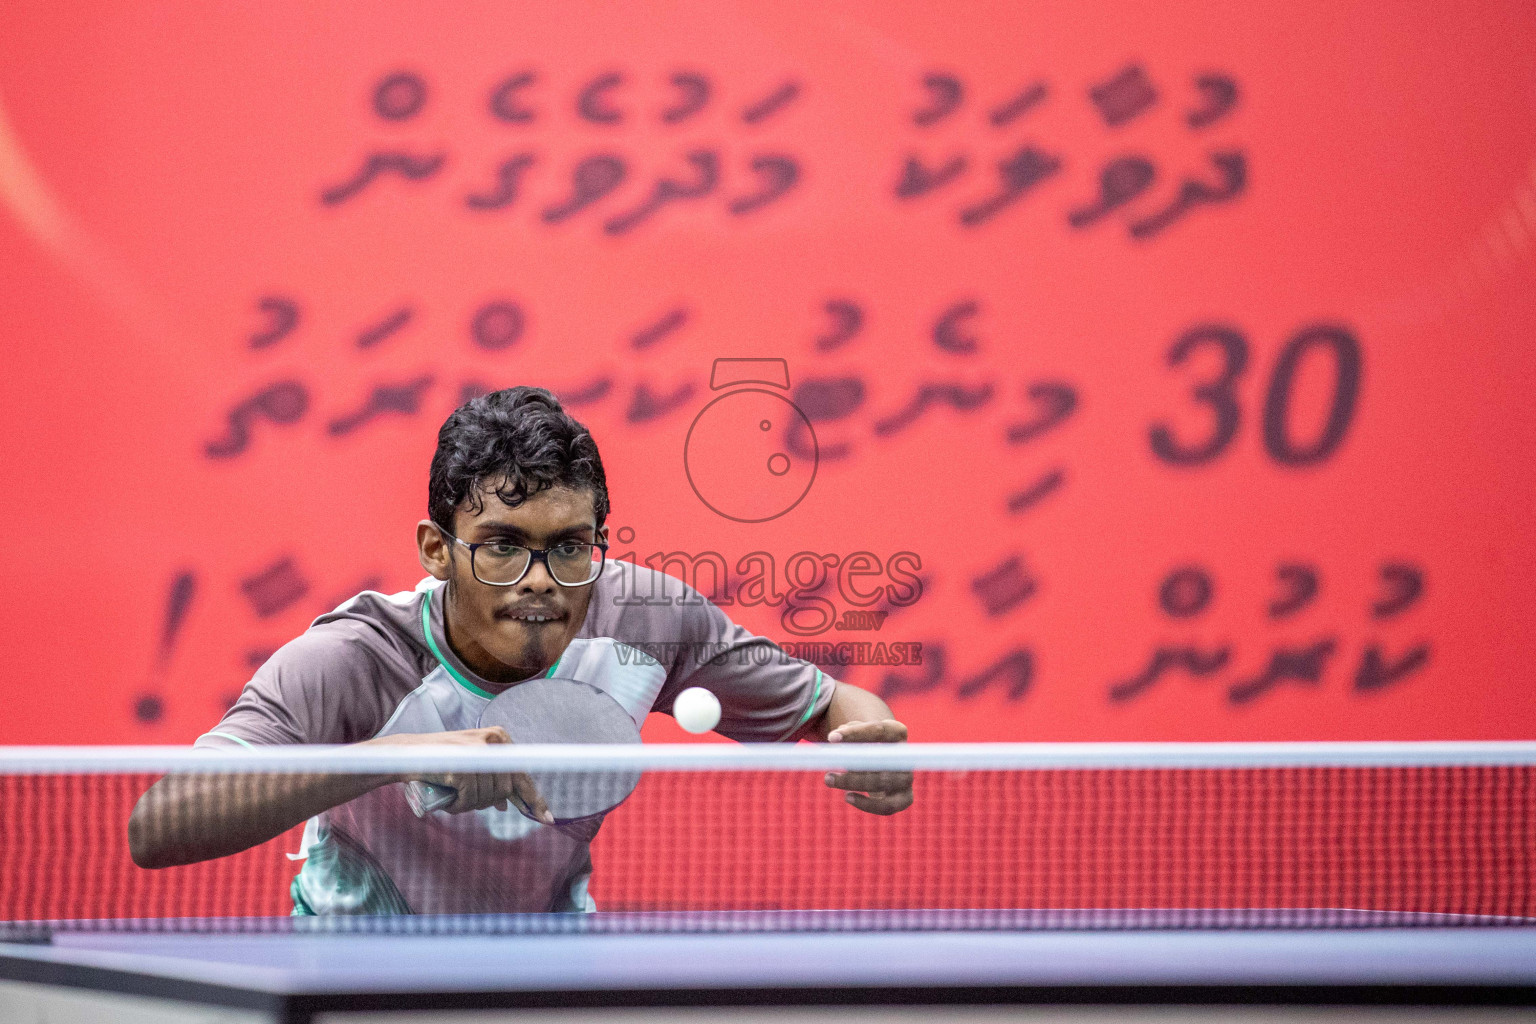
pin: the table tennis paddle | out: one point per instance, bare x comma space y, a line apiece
555, 711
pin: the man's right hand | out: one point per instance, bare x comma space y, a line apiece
476, 790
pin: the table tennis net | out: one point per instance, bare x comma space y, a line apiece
1268, 836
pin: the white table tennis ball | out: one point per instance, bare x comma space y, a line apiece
696, 709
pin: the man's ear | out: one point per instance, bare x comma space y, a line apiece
433, 550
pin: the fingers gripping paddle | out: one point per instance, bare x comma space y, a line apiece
555, 711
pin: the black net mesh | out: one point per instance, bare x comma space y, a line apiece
1044, 848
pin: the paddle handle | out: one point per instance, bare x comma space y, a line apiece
426, 797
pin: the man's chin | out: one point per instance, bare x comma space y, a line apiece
528, 648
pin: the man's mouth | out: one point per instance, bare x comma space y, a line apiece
533, 618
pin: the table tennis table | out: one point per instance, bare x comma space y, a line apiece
617, 967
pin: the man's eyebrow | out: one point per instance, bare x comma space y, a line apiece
495, 529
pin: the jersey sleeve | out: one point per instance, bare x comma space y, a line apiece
318, 688
765, 695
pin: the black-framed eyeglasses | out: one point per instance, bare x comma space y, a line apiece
500, 563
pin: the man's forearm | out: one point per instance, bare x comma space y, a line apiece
850, 704
192, 817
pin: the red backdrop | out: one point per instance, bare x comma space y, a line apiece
1185, 348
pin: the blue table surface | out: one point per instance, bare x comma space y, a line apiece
295, 962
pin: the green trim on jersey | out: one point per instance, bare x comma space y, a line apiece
458, 677
426, 627
230, 736
815, 696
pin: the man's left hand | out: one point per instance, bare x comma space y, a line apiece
875, 792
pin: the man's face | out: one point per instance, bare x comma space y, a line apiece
491, 627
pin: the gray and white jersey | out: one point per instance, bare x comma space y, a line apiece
380, 665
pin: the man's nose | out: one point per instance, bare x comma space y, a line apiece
537, 578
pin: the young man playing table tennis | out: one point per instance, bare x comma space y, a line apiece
519, 590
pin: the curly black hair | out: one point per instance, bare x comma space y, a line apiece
522, 442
